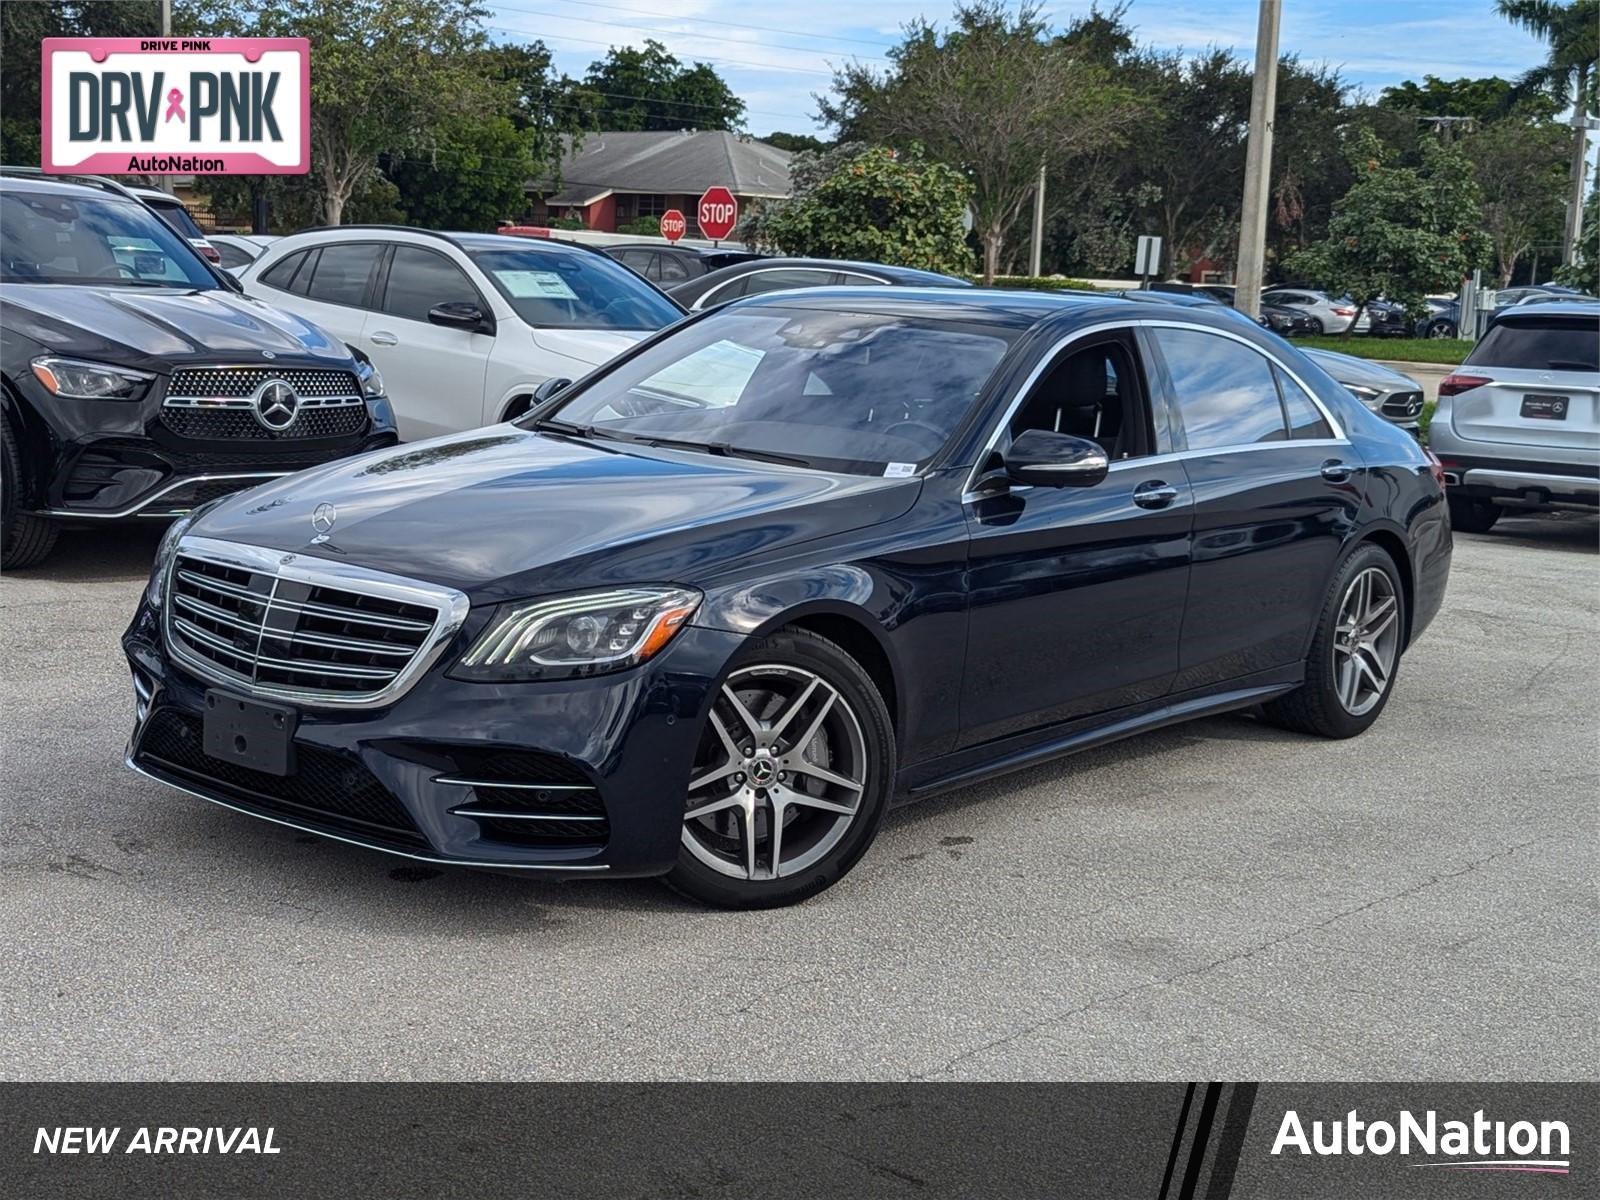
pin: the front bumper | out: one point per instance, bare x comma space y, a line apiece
614, 753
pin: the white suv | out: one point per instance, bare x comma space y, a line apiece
464, 327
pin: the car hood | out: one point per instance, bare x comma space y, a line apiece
1347, 368
502, 512
162, 329
590, 346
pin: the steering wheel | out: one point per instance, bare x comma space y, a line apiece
117, 270
939, 435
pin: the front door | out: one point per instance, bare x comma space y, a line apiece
1077, 593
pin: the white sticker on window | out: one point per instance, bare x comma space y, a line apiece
547, 285
899, 470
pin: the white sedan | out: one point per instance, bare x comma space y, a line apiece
464, 327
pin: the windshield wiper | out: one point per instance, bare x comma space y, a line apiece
727, 450
551, 425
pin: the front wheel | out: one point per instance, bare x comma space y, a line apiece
1441, 329
1355, 654
1468, 515
25, 539
791, 777
1317, 327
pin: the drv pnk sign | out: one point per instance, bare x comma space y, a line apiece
166, 106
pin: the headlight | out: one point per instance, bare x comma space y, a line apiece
585, 634
79, 380
1367, 396
164, 555
371, 380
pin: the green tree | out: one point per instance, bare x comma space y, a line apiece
995, 95
1584, 271
387, 76
1519, 167
22, 28
633, 89
1568, 75
1399, 232
1481, 100
876, 205
795, 143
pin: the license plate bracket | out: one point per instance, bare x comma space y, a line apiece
249, 734
1540, 406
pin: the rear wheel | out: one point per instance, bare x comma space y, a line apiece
1441, 329
1470, 515
791, 778
1317, 327
1355, 654
24, 538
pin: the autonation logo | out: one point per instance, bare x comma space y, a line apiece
1476, 1145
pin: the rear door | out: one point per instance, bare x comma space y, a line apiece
434, 374
1540, 384
1277, 489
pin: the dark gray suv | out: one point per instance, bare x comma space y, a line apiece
135, 382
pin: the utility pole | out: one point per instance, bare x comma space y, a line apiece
166, 32
1036, 259
1572, 227
1258, 164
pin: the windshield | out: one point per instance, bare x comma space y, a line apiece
865, 393
574, 290
86, 239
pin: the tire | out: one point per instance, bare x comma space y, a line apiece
828, 811
1470, 515
24, 538
1317, 327
1441, 329
1326, 704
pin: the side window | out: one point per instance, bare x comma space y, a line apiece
281, 273
723, 292
420, 279
1305, 418
851, 279
791, 277
1091, 392
672, 270
341, 274
232, 257
1225, 391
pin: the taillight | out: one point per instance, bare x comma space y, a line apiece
211, 253
1454, 385
1344, 312
1435, 466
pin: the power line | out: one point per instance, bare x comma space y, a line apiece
534, 12
709, 21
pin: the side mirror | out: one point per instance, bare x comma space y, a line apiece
1042, 458
460, 314
547, 390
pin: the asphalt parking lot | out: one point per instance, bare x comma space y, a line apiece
1218, 900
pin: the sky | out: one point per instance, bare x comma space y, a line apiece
776, 53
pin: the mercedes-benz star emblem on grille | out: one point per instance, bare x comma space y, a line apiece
276, 404
323, 517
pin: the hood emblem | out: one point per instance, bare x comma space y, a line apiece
268, 354
322, 520
276, 405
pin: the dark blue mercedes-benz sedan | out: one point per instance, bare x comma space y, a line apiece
708, 611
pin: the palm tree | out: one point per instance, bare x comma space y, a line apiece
1567, 75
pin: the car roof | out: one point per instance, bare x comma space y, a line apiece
65, 185
1576, 308
462, 241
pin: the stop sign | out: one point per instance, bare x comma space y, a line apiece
718, 213
673, 226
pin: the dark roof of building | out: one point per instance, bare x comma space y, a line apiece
675, 161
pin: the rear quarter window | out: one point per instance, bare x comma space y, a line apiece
1540, 344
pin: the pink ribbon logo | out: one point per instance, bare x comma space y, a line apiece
175, 105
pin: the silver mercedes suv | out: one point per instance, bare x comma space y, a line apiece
1518, 423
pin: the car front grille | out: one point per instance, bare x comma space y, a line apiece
220, 404
233, 424
232, 383
251, 621
329, 788
1403, 404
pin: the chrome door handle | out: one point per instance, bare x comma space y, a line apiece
1335, 471
1156, 493
383, 337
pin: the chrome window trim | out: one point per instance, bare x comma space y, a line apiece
450, 605
969, 495
173, 486
872, 279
